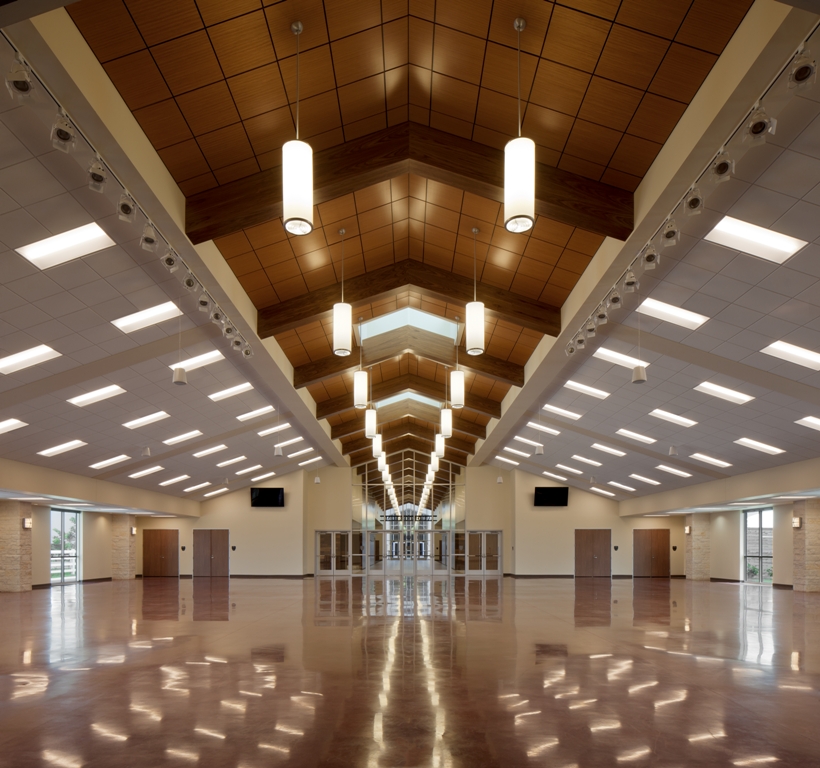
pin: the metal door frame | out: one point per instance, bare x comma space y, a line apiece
483, 572
334, 571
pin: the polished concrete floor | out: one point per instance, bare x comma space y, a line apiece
404, 672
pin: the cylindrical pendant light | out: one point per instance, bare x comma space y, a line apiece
434, 461
519, 168
474, 319
457, 386
440, 446
370, 422
360, 389
297, 170
377, 446
447, 422
382, 462
342, 317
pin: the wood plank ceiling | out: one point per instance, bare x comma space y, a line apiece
213, 85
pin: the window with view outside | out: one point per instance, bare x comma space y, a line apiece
64, 546
758, 545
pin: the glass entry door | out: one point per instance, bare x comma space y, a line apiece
65, 562
333, 555
759, 546
483, 553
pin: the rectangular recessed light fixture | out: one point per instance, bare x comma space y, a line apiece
62, 448
289, 442
27, 358
249, 469
601, 491
809, 421
672, 314
234, 460
643, 479
572, 470
585, 390
709, 460
178, 479
231, 391
756, 241
636, 436
723, 393
254, 414
310, 461
517, 452
793, 354
562, 412
182, 438
209, 451
66, 246
617, 358
192, 363
147, 317
586, 461
274, 430
620, 485
607, 449
757, 446
527, 441
98, 394
262, 477
541, 428
109, 462
554, 477
673, 417
213, 493
149, 419
149, 471
673, 470
195, 487
508, 461
299, 453
9, 425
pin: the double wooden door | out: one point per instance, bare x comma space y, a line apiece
211, 556
593, 552
650, 548
160, 552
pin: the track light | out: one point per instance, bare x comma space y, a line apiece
97, 176
803, 73
693, 204
580, 342
18, 81
671, 234
650, 258
180, 376
204, 303
630, 282
247, 351
148, 241
191, 283
570, 350
228, 331
759, 125
170, 261
237, 343
722, 167
63, 135
600, 315
216, 317
614, 300
589, 329
639, 375
126, 208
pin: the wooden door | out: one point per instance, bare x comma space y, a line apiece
660, 553
642, 553
601, 552
170, 553
160, 553
220, 555
584, 554
202, 552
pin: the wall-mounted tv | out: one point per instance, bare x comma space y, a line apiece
551, 497
267, 497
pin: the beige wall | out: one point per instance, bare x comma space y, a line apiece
40, 545
726, 543
328, 506
95, 552
783, 560
489, 505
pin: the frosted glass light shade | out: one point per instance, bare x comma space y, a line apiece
440, 446
519, 184
474, 331
377, 446
359, 388
447, 422
370, 422
457, 389
297, 187
434, 461
382, 462
342, 330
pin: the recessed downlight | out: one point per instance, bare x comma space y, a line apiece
147, 317
96, 396
636, 436
27, 358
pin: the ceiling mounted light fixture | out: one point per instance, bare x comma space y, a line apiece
297, 170
342, 316
359, 378
440, 446
519, 167
370, 425
446, 416
474, 320
457, 386
377, 446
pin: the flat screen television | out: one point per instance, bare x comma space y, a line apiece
551, 497
267, 497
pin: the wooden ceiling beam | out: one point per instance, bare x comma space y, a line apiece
389, 437
409, 148
365, 456
408, 275
460, 426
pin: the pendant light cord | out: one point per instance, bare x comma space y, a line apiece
518, 30
475, 279
342, 233
297, 87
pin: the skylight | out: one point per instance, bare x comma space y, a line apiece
408, 396
94, 397
562, 412
673, 417
756, 241
147, 317
672, 314
27, 358
617, 358
793, 354
585, 390
636, 436
412, 317
73, 244
733, 396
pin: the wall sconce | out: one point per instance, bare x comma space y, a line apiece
797, 522
133, 530
687, 529
27, 523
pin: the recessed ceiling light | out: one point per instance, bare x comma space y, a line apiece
195, 487
585, 390
262, 477
618, 359
562, 412
149, 419
62, 448
555, 477
601, 491
636, 436
182, 438
673, 470
793, 354
673, 417
299, 453
809, 421
254, 414
31, 498
541, 428
527, 441
192, 363
249, 469
289, 442
209, 451
147, 317
66, 246
27, 358
517, 452
645, 479
620, 485
709, 460
586, 461
231, 461
790, 498
144, 472
757, 241
178, 479
231, 391
273, 430
569, 469
98, 394
607, 449
672, 314
508, 461
310, 461
213, 493
109, 462
9, 425
757, 446
724, 393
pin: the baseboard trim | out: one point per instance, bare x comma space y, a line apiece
96, 581
186, 576
138, 576
269, 576
542, 576
41, 586
783, 586
678, 576
725, 581
621, 575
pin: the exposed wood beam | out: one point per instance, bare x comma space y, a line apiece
409, 148
407, 383
461, 426
390, 436
408, 275
409, 443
